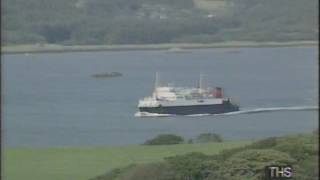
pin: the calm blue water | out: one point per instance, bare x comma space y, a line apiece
51, 100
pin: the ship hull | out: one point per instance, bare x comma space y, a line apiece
192, 109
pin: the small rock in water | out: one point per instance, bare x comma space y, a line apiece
107, 75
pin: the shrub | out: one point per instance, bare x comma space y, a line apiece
308, 169
192, 166
250, 164
165, 139
264, 143
115, 173
208, 137
190, 141
299, 147
161, 171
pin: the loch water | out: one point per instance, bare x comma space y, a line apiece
51, 99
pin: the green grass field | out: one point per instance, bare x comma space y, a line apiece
75, 163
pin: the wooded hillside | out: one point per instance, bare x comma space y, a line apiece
72, 22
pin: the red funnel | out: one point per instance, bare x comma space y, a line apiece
217, 92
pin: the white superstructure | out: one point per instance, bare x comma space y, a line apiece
170, 96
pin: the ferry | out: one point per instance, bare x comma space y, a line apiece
169, 100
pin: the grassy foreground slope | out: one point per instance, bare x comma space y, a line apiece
242, 163
84, 163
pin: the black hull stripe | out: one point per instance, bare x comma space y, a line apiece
188, 110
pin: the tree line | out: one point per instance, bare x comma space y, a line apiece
71, 22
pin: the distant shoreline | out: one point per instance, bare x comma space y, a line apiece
54, 48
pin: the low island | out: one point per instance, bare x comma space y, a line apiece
107, 75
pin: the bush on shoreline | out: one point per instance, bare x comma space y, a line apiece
165, 139
208, 137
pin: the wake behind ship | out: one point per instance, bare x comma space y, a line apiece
171, 100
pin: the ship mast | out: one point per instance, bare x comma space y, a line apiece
201, 88
156, 85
